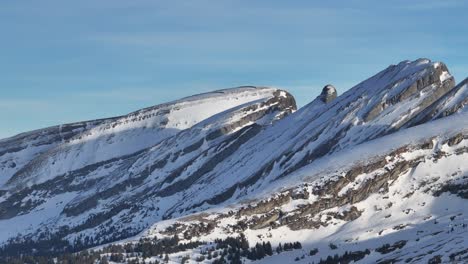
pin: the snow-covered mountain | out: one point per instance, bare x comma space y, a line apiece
111, 138
384, 163
407, 190
74, 198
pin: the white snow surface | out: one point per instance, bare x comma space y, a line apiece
216, 152
184, 147
133, 132
429, 224
316, 125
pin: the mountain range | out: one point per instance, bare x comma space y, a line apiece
378, 174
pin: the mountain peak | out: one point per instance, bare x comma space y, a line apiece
242, 163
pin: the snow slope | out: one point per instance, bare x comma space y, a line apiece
76, 197
415, 207
131, 133
453, 102
17, 151
375, 107
245, 161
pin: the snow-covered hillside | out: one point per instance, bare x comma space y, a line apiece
17, 151
375, 107
340, 178
75, 198
116, 137
453, 102
406, 189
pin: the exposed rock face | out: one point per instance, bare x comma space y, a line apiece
123, 185
435, 79
120, 136
328, 94
240, 143
326, 202
454, 101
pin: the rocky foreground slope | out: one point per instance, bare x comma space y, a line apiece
376, 175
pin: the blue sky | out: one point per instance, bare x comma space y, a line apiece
64, 61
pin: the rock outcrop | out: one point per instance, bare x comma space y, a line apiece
249, 153
328, 94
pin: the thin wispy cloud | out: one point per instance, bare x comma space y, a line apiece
131, 94
430, 5
90, 59
16, 104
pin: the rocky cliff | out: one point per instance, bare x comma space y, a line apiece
368, 176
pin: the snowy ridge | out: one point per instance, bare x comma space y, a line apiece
133, 132
403, 213
76, 197
17, 151
371, 167
455, 101
321, 128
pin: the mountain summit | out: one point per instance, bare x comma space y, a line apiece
375, 175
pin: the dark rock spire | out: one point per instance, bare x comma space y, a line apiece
328, 93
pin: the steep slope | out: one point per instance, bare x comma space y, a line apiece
89, 199
399, 198
453, 102
246, 152
17, 151
128, 134
375, 107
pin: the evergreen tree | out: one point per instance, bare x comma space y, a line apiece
268, 249
279, 249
